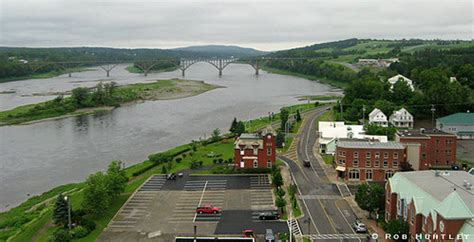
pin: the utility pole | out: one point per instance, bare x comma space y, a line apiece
433, 109
68, 212
363, 115
342, 111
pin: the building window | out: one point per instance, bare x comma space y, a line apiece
356, 154
395, 155
354, 174
342, 153
255, 164
376, 163
342, 162
368, 175
255, 151
377, 155
423, 156
448, 152
367, 155
242, 164
269, 151
242, 151
355, 163
437, 141
388, 174
448, 141
385, 155
385, 163
395, 163
367, 163
269, 164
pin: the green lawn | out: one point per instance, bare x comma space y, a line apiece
328, 159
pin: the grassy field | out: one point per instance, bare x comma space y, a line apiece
163, 89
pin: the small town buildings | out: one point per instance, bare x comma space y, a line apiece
378, 117
428, 148
401, 119
395, 79
330, 132
460, 124
377, 62
437, 205
359, 160
255, 150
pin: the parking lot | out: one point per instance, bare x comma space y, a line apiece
162, 209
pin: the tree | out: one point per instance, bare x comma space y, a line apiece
277, 179
280, 139
280, 203
96, 195
216, 135
80, 96
298, 115
385, 106
397, 227
233, 126
465, 75
240, 128
116, 179
370, 197
406, 166
401, 92
159, 158
60, 211
284, 114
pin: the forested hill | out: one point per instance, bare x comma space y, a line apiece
223, 50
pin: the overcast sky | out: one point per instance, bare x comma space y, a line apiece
265, 25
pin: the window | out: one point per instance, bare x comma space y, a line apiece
423, 156
385, 155
368, 175
255, 151
342, 153
437, 151
395, 163
255, 164
448, 152
242, 151
395, 155
385, 163
367, 163
377, 155
376, 163
356, 154
354, 174
342, 162
437, 141
355, 163
448, 141
269, 151
388, 174
269, 164
367, 155
242, 164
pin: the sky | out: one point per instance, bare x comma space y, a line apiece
261, 24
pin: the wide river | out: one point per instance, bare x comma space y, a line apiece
37, 157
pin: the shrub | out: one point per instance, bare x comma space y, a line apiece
221, 160
200, 163
178, 159
184, 156
214, 161
80, 232
88, 224
60, 235
280, 192
163, 170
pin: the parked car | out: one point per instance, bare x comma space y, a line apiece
306, 163
269, 237
207, 209
359, 227
269, 215
248, 233
180, 174
171, 176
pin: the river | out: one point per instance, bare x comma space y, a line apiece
37, 157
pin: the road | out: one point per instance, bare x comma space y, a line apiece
321, 200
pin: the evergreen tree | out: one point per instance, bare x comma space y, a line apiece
233, 126
284, 114
60, 211
298, 115
116, 179
280, 139
240, 128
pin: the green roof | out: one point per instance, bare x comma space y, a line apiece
458, 118
453, 207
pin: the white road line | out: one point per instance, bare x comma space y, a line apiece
200, 200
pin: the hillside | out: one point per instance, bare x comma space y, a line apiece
222, 50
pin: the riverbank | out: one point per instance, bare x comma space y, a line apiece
46, 74
123, 95
32, 219
334, 83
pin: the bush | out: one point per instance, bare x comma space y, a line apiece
88, 224
60, 235
200, 163
220, 160
280, 192
178, 159
184, 156
79, 232
214, 161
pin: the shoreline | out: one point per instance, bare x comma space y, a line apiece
203, 87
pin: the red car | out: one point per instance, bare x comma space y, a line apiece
207, 209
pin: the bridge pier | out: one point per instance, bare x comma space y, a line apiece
69, 74
220, 72
182, 72
108, 73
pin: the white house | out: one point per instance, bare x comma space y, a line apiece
395, 79
401, 119
378, 117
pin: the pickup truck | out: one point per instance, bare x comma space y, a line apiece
207, 209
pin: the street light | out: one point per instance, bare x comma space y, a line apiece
433, 109
67, 199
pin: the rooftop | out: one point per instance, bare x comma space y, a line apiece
249, 136
369, 145
446, 192
420, 133
458, 118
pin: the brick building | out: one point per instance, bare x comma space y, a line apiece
428, 148
438, 206
255, 150
359, 160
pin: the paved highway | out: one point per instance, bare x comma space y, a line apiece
321, 200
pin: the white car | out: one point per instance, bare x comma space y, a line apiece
359, 227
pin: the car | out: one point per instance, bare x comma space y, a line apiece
171, 176
180, 174
207, 209
269, 215
359, 227
306, 163
269, 237
248, 233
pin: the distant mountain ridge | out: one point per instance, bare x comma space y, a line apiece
223, 50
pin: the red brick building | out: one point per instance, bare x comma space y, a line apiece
255, 151
436, 148
437, 205
362, 160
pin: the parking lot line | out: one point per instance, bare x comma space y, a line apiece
200, 200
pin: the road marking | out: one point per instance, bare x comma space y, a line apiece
347, 221
327, 215
200, 200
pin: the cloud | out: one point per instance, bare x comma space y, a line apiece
263, 24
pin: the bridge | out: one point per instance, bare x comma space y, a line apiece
146, 66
